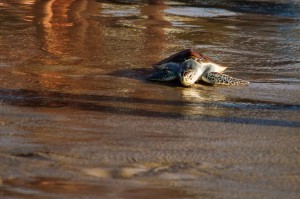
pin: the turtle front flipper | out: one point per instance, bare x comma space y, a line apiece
163, 76
219, 78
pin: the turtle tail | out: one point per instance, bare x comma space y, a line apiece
219, 78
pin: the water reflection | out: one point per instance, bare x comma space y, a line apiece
66, 28
62, 25
156, 41
62, 29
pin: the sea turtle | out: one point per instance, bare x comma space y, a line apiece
189, 67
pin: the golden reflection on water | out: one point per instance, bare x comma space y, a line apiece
156, 41
72, 30
57, 20
198, 97
65, 27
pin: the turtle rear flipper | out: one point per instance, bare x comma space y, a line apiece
162, 76
219, 78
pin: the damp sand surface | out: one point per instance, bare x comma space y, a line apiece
78, 119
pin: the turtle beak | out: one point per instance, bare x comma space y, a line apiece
187, 77
187, 74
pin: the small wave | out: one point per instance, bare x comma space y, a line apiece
199, 12
121, 13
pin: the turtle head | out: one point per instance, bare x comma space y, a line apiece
190, 72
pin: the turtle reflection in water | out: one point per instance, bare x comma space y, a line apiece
189, 67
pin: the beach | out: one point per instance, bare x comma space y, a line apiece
79, 119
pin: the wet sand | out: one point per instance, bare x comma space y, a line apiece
79, 119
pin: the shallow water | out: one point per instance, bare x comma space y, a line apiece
79, 119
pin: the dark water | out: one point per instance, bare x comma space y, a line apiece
79, 120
